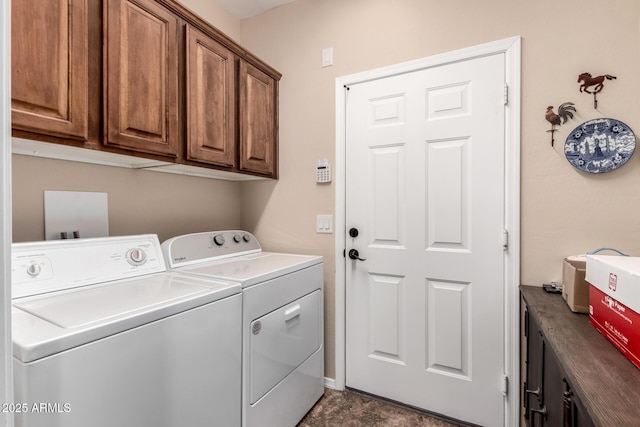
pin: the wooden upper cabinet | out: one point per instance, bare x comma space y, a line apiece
258, 121
210, 74
145, 78
141, 77
49, 42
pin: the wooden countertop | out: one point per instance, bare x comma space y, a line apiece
606, 382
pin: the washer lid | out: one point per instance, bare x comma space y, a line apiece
252, 269
48, 324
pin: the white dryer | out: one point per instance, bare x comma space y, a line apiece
104, 336
282, 320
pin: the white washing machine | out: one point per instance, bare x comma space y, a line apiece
282, 320
104, 336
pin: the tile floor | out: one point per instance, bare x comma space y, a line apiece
352, 409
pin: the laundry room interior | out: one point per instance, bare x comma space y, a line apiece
555, 209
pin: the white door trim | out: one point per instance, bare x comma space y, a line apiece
6, 380
511, 48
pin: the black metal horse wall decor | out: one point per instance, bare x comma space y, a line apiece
595, 83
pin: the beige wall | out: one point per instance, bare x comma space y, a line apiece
139, 201
564, 211
210, 11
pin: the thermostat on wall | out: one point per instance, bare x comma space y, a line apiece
323, 171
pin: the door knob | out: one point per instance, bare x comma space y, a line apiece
353, 254
353, 232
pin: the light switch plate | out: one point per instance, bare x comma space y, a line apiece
327, 57
324, 224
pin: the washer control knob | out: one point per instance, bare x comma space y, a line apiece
136, 256
33, 270
218, 239
246, 238
237, 238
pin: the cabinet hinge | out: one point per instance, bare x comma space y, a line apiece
505, 386
506, 94
505, 240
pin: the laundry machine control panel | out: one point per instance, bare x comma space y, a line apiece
42, 267
198, 247
221, 237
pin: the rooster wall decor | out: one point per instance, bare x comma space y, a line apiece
565, 112
596, 83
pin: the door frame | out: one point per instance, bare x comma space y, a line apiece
511, 47
6, 376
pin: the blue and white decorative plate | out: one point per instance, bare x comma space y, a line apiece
600, 145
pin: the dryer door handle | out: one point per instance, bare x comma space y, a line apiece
291, 312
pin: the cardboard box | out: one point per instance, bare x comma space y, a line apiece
575, 289
614, 301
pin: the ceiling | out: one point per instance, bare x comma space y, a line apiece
242, 9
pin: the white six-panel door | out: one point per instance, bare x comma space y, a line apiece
425, 185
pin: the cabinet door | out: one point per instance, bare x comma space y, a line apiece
575, 414
49, 40
553, 387
141, 77
544, 385
210, 100
258, 121
534, 368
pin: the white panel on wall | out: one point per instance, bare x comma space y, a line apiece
448, 339
387, 194
75, 211
386, 322
447, 195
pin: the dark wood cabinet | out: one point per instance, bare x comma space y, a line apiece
49, 73
210, 75
258, 121
573, 377
575, 412
534, 360
141, 78
547, 394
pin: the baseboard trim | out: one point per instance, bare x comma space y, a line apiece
330, 383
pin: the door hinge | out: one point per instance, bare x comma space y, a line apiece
505, 240
505, 386
506, 94
344, 253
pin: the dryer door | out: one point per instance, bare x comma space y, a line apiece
282, 340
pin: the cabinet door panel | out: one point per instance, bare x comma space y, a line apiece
258, 121
142, 77
210, 100
535, 362
580, 418
553, 388
49, 48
